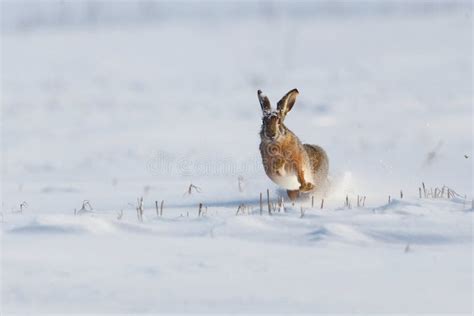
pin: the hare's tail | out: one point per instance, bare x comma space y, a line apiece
319, 163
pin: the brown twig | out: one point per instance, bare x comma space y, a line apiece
86, 207
190, 189
268, 201
240, 209
140, 208
23, 205
241, 183
282, 204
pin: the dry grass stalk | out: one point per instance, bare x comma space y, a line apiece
282, 205
23, 205
200, 209
261, 204
322, 203
204, 210
140, 208
241, 184
440, 193
268, 202
238, 209
161, 207
120, 215
455, 194
86, 207
401, 194
241, 209
191, 188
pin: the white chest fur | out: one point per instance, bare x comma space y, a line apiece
290, 181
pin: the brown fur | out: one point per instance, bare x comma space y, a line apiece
285, 153
319, 162
293, 194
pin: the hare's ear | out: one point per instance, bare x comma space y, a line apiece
286, 103
264, 102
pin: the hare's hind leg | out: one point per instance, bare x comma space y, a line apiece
293, 194
319, 163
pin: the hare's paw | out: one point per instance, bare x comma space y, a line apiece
306, 187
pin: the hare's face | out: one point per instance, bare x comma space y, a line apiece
272, 121
272, 125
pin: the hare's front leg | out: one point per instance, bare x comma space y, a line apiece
279, 166
304, 186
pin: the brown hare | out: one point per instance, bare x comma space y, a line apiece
292, 165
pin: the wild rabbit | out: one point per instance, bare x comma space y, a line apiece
292, 165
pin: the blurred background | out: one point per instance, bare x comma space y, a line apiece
110, 100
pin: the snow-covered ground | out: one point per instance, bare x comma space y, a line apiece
410, 257
109, 113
